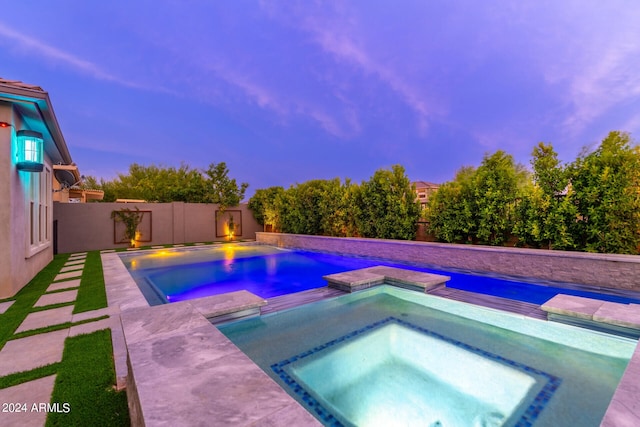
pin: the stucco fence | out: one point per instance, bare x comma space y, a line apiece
599, 270
83, 227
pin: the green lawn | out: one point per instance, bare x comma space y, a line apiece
86, 375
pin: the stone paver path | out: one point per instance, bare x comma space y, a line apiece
68, 284
27, 394
28, 353
68, 275
4, 306
72, 268
42, 319
31, 352
57, 298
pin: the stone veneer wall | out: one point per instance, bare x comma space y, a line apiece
602, 270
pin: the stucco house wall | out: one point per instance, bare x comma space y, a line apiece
18, 265
26, 107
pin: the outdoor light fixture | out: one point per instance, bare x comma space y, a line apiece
30, 151
5, 125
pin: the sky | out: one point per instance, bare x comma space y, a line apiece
288, 91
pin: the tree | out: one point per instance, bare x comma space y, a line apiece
314, 207
606, 186
497, 186
386, 206
450, 210
546, 214
264, 208
221, 189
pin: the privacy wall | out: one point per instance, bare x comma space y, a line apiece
88, 226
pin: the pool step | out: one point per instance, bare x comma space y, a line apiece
229, 306
356, 280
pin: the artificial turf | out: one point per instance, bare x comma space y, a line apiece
86, 375
91, 294
85, 382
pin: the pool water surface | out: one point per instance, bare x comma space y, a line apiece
389, 356
187, 273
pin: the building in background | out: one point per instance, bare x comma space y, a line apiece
424, 190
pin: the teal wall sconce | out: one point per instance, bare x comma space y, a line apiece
30, 156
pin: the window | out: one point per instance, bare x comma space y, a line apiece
39, 210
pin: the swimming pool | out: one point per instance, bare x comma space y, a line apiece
172, 275
388, 356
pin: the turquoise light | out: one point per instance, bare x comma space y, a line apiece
30, 156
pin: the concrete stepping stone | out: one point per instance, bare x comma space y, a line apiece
87, 328
4, 306
57, 298
69, 284
26, 354
68, 275
42, 319
157, 247
76, 262
107, 251
77, 258
178, 245
71, 268
28, 394
78, 254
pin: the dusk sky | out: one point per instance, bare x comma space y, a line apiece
287, 91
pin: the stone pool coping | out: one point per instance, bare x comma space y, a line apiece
624, 408
161, 351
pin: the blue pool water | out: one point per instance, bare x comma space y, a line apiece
176, 275
387, 356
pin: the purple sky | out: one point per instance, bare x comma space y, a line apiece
287, 91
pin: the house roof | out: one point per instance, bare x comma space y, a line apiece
34, 105
423, 184
18, 83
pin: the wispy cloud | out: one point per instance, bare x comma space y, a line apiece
286, 104
610, 80
339, 38
67, 59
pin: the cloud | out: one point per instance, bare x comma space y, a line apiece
603, 84
67, 59
286, 104
339, 36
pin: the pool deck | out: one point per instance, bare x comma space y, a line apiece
181, 370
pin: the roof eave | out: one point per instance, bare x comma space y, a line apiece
41, 101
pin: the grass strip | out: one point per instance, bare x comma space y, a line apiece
34, 374
50, 307
91, 293
86, 381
